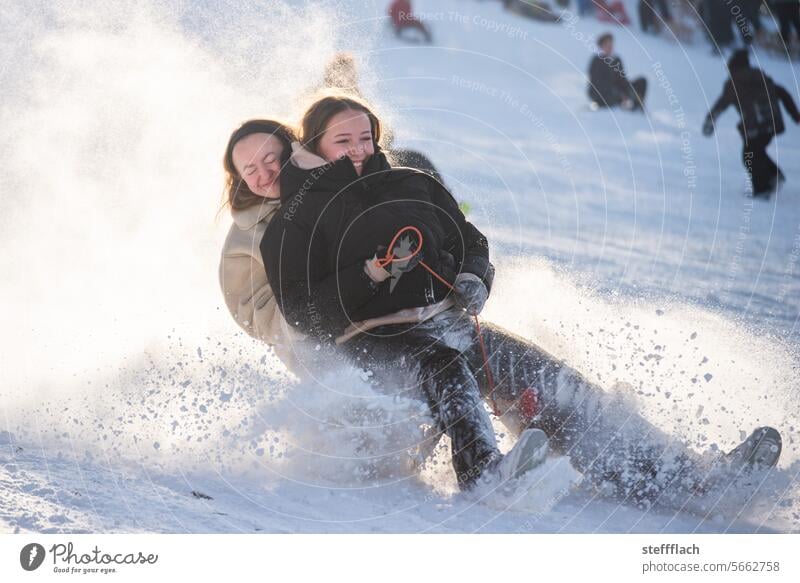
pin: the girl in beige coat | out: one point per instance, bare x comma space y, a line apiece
253, 160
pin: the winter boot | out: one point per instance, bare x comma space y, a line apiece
529, 452
759, 451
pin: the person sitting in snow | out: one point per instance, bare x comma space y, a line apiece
254, 156
403, 18
608, 84
757, 99
533, 9
613, 12
378, 265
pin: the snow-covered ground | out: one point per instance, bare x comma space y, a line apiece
623, 243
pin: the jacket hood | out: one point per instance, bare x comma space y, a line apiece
248, 218
305, 159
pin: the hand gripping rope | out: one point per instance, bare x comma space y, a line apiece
390, 258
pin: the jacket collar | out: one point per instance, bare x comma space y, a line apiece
305, 159
299, 173
248, 218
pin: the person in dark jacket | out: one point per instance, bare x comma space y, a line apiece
608, 84
346, 273
355, 208
327, 258
757, 99
718, 20
654, 15
788, 14
533, 9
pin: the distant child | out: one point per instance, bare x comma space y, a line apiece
757, 99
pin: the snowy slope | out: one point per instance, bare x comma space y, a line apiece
623, 244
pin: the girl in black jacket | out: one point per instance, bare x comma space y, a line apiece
398, 303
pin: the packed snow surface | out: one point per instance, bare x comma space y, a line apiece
623, 243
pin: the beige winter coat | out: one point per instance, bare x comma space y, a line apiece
244, 284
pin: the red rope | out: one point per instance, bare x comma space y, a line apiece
390, 258
489, 378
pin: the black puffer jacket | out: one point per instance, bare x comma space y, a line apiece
608, 84
332, 221
757, 98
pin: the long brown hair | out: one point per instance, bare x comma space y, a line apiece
237, 195
322, 110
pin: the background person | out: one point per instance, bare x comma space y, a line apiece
757, 99
403, 18
608, 84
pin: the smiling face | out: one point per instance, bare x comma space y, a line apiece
348, 133
257, 159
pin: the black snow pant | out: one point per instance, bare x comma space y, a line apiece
763, 171
636, 92
605, 437
607, 440
416, 362
639, 87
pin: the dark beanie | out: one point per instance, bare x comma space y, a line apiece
740, 59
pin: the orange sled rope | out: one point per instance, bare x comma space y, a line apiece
390, 258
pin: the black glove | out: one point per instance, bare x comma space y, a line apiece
708, 127
471, 293
447, 266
